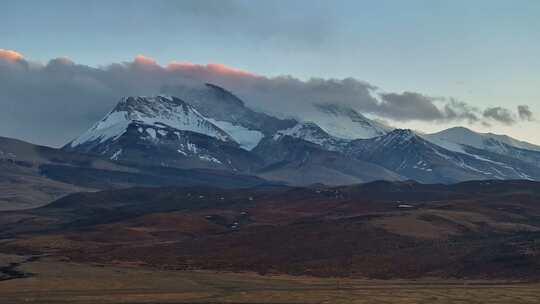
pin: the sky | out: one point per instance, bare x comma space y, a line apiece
425, 65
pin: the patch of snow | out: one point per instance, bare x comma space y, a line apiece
181, 152
311, 132
111, 127
151, 132
345, 123
210, 159
116, 155
192, 147
396, 137
246, 138
454, 139
307, 131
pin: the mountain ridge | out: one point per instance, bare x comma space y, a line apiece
208, 126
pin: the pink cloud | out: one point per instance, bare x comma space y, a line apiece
145, 60
10, 55
183, 65
223, 69
213, 68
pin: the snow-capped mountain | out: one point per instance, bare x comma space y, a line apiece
344, 122
312, 133
209, 127
466, 141
408, 154
227, 111
159, 111
297, 161
164, 131
487, 141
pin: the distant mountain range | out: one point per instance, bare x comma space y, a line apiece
209, 128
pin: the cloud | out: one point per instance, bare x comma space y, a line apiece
54, 102
461, 111
143, 60
501, 115
10, 55
212, 68
525, 113
409, 106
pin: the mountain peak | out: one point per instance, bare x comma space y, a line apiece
311, 132
345, 122
224, 94
158, 111
399, 137
460, 129
456, 139
400, 134
221, 105
340, 110
148, 103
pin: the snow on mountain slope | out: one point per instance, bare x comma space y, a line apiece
297, 161
227, 111
231, 114
221, 105
167, 132
407, 153
344, 122
311, 132
215, 130
157, 111
466, 141
454, 139
248, 139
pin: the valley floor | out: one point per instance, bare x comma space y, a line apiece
53, 280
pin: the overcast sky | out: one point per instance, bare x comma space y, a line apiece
425, 65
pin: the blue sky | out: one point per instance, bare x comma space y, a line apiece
482, 52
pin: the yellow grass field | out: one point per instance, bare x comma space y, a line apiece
56, 281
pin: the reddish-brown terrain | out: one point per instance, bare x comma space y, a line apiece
475, 230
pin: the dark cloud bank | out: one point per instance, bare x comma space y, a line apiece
54, 102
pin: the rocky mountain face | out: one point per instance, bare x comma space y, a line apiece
230, 113
408, 154
311, 132
32, 175
163, 131
209, 127
466, 141
301, 162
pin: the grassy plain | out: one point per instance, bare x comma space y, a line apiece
57, 281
